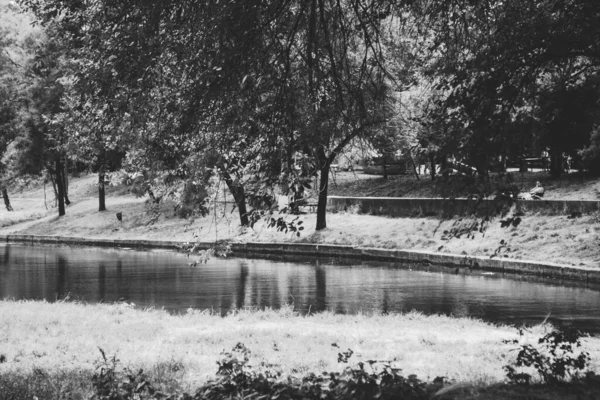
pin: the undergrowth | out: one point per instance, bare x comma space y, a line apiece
556, 358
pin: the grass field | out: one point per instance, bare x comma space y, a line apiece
61, 342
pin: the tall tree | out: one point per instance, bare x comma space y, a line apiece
254, 81
502, 61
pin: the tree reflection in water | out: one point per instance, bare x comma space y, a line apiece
241, 286
321, 288
61, 278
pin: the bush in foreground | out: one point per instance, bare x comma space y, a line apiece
237, 378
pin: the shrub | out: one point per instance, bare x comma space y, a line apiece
40, 384
554, 359
111, 384
194, 199
369, 380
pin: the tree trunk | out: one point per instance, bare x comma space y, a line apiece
6, 199
240, 200
67, 201
414, 166
65, 175
432, 171
385, 174
53, 180
101, 191
556, 163
239, 195
444, 168
60, 187
322, 203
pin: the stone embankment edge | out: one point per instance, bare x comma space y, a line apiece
544, 269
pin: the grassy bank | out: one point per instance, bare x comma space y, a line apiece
61, 341
538, 237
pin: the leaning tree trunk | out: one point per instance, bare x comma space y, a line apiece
240, 200
60, 187
414, 166
101, 189
239, 196
6, 199
322, 203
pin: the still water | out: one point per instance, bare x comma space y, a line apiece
165, 280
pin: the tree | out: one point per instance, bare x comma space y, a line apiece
8, 111
13, 57
48, 68
253, 81
501, 61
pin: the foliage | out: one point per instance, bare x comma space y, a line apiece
204, 255
111, 384
18, 43
42, 384
515, 78
252, 87
193, 200
265, 96
554, 358
286, 226
373, 379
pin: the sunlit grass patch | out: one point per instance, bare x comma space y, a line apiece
69, 334
43, 342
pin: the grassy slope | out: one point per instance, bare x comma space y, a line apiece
543, 238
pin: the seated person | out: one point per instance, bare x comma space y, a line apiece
534, 194
537, 191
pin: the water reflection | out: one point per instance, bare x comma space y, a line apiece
162, 279
61, 277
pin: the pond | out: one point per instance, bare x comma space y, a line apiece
163, 279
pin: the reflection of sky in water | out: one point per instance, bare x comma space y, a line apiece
163, 279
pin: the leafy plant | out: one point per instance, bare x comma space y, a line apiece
111, 384
286, 226
372, 379
554, 358
502, 246
203, 255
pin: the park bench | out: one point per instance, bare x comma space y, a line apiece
536, 162
285, 203
312, 206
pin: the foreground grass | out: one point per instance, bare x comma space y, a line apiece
57, 344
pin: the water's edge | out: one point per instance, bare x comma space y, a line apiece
544, 269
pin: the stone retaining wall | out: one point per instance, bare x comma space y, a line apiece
454, 261
423, 207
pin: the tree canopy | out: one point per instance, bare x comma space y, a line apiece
266, 95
